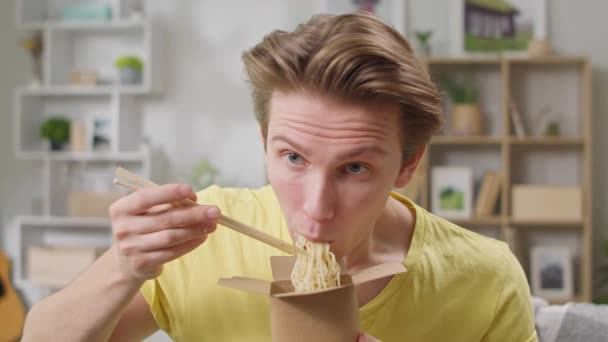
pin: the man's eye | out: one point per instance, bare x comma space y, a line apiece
356, 169
294, 158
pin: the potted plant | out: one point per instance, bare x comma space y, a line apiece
57, 131
423, 38
465, 115
130, 69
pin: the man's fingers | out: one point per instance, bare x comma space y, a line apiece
142, 200
163, 239
145, 261
167, 219
164, 207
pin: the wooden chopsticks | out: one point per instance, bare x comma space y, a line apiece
134, 182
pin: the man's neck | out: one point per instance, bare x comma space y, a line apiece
389, 240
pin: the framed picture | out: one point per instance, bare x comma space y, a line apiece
496, 26
393, 11
452, 192
551, 271
100, 133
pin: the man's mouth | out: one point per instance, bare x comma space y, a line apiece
317, 239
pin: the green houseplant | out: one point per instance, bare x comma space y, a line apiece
203, 174
57, 131
130, 68
465, 115
423, 38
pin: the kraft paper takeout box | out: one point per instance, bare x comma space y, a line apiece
322, 315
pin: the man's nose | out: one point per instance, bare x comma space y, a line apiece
320, 198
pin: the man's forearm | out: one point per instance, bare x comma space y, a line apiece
87, 309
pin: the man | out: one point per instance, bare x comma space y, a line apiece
345, 113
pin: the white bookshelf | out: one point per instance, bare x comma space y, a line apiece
85, 45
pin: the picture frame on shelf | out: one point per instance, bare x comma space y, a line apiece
452, 192
514, 24
551, 272
392, 11
100, 133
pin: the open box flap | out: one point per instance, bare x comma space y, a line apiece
377, 272
246, 284
281, 266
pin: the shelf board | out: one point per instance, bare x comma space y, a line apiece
549, 60
546, 141
545, 223
134, 156
448, 60
472, 140
482, 221
497, 60
82, 90
575, 299
64, 222
89, 25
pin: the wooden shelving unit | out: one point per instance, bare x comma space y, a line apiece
81, 45
531, 82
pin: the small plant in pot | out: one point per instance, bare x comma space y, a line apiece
57, 131
130, 69
466, 117
423, 38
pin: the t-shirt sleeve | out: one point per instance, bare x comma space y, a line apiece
514, 316
153, 293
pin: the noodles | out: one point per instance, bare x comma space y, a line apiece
316, 270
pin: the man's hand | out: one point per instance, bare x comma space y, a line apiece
363, 337
149, 231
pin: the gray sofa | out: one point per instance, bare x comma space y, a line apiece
570, 322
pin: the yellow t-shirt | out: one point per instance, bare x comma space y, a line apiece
460, 286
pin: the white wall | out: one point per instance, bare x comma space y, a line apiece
17, 190
206, 111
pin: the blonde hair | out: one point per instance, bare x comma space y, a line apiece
354, 57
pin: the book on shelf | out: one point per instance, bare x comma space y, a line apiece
487, 198
516, 119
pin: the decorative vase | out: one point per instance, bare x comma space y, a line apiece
130, 76
466, 119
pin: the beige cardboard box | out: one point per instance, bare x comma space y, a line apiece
55, 267
544, 202
330, 315
90, 203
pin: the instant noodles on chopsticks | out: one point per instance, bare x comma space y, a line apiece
328, 312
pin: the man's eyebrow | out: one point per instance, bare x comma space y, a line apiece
290, 142
370, 149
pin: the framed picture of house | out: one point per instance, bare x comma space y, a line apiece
496, 27
452, 192
393, 11
551, 271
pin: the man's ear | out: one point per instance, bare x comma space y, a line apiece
408, 169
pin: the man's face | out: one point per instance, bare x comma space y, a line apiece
332, 166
